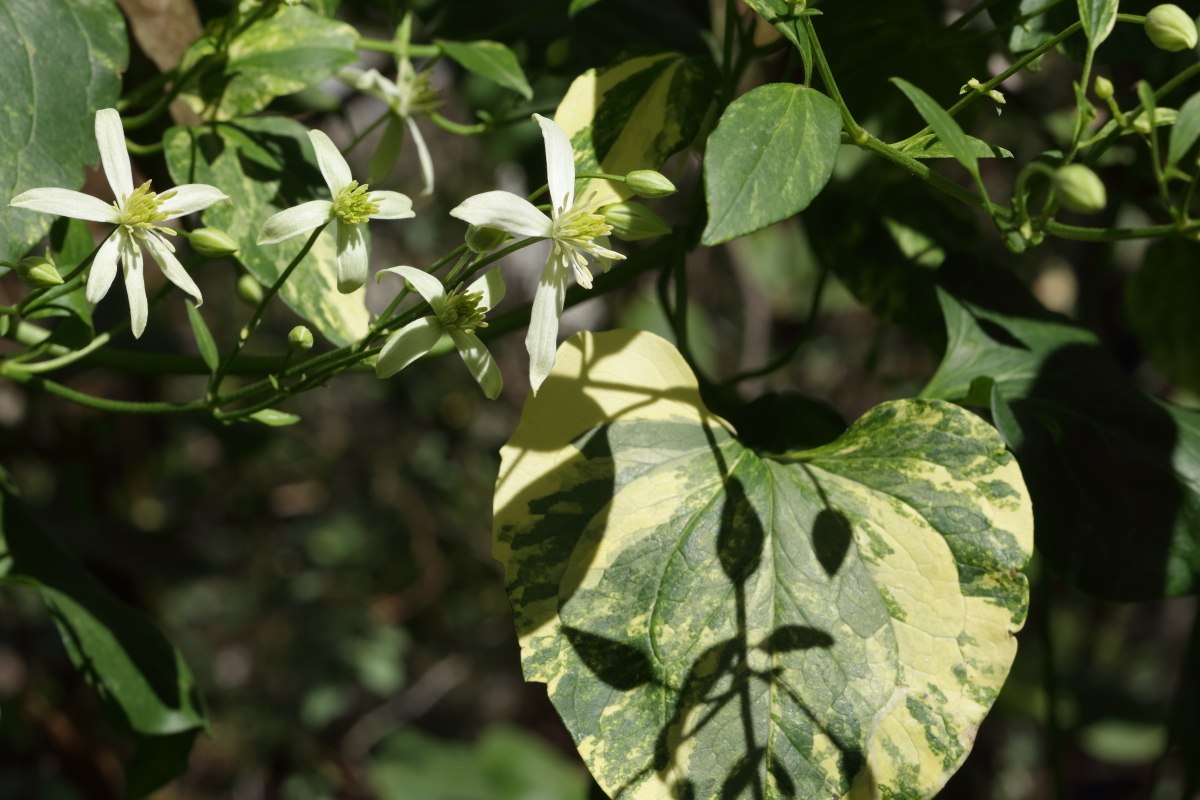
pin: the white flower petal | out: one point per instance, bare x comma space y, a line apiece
66, 203
135, 288
192, 197
480, 362
542, 339
392, 205
110, 137
506, 211
407, 345
560, 164
333, 165
387, 151
351, 258
295, 221
492, 287
104, 269
370, 81
423, 155
604, 252
426, 285
160, 251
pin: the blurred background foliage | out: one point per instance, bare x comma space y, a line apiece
331, 583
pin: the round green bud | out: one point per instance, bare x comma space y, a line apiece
1170, 28
558, 52
649, 184
633, 221
212, 242
38, 272
300, 339
1079, 189
1103, 87
482, 239
249, 290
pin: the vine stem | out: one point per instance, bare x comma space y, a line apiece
366, 132
857, 134
222, 370
30, 304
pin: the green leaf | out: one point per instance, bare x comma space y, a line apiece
265, 165
289, 51
1162, 309
1098, 17
490, 60
70, 242
932, 147
506, 764
771, 153
204, 337
61, 61
1110, 470
634, 114
1186, 130
273, 418
126, 658
580, 5
714, 624
947, 130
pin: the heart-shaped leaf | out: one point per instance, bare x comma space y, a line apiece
713, 624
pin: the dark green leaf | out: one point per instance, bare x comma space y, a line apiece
947, 130
204, 337
932, 147
694, 607
61, 61
289, 51
125, 657
1162, 303
1108, 468
1185, 131
579, 5
1098, 17
771, 153
634, 114
265, 165
70, 242
490, 60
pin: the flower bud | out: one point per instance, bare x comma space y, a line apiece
300, 339
212, 242
1103, 87
249, 290
1079, 189
649, 184
633, 221
1170, 28
38, 272
558, 52
481, 239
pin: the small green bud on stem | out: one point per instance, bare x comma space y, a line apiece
212, 242
300, 339
484, 240
249, 290
633, 221
558, 52
649, 184
38, 272
1080, 190
1103, 87
1170, 28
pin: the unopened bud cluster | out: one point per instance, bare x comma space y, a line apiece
300, 339
212, 242
38, 272
1080, 190
633, 221
649, 184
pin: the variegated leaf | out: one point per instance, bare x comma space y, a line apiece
267, 164
715, 624
634, 114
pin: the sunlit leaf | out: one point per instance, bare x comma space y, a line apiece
491, 60
61, 61
713, 624
947, 129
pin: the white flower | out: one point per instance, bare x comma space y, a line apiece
352, 205
457, 314
408, 97
574, 230
136, 213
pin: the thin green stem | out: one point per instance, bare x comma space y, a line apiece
784, 358
31, 301
457, 128
975, 11
605, 176
852, 127
143, 149
366, 132
145, 90
389, 46
119, 406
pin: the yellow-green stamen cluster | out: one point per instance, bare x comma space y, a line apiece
354, 204
461, 311
415, 95
579, 227
142, 209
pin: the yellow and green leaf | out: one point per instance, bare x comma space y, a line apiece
712, 623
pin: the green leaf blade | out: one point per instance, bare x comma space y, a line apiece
1098, 18
772, 152
944, 125
491, 60
204, 337
651, 559
1185, 130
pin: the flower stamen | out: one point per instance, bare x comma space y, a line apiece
461, 311
354, 204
